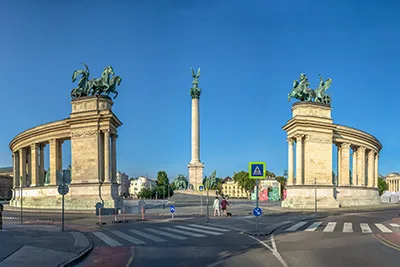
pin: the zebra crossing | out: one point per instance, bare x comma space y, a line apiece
347, 227
117, 238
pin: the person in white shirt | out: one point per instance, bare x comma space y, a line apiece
216, 207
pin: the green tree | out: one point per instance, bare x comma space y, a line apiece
382, 185
244, 182
145, 193
162, 178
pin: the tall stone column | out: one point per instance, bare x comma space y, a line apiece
290, 162
344, 166
59, 154
114, 158
354, 172
107, 157
299, 160
22, 167
376, 169
53, 162
371, 167
195, 166
41, 164
28, 167
15, 169
35, 165
339, 161
361, 166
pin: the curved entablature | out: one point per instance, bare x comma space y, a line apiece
42, 134
353, 136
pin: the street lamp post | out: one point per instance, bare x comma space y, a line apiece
21, 199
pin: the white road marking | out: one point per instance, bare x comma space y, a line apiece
151, 237
330, 227
177, 237
347, 227
383, 228
313, 227
273, 249
129, 238
106, 239
365, 228
295, 227
198, 230
394, 225
209, 228
182, 232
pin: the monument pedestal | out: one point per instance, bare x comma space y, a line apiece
196, 174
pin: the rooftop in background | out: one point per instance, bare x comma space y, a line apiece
6, 171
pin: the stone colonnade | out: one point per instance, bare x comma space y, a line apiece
29, 161
364, 168
393, 184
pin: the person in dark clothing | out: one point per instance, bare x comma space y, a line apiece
224, 205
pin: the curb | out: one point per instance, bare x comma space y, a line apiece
75, 260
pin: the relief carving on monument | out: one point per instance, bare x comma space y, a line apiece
319, 138
316, 112
83, 134
86, 106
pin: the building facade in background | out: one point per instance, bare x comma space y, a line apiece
6, 178
231, 189
137, 184
123, 184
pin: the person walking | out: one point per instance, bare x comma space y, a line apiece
216, 207
224, 205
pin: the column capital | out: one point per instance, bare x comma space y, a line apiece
362, 149
299, 137
114, 136
290, 140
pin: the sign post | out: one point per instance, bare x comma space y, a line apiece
21, 201
62, 190
172, 209
257, 170
201, 189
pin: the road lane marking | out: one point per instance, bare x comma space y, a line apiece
106, 239
151, 237
383, 228
182, 232
330, 227
209, 228
295, 227
197, 230
273, 249
365, 228
313, 227
177, 237
128, 238
347, 227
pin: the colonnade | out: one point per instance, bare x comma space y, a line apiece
393, 184
364, 171
28, 162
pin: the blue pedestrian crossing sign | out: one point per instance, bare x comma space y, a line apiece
201, 188
257, 170
172, 209
257, 212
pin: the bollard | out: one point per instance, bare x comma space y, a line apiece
1, 216
123, 215
116, 216
143, 211
100, 222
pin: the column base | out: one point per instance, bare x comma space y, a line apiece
196, 174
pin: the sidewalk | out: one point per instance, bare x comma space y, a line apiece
29, 245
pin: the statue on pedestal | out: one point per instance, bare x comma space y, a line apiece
302, 92
96, 86
195, 91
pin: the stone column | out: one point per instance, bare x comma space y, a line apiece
101, 156
354, 171
15, 169
339, 155
53, 162
22, 167
107, 156
290, 162
299, 160
59, 154
361, 166
376, 169
371, 166
114, 158
344, 166
41, 165
34, 163
195, 131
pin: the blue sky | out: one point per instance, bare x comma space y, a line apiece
249, 52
